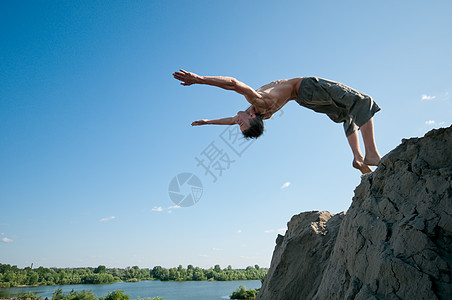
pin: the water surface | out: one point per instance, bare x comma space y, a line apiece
169, 290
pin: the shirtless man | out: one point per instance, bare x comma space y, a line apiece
341, 103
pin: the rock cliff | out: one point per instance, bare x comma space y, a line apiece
394, 242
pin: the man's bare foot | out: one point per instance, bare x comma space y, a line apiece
361, 166
372, 159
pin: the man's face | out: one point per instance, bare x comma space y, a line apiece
243, 119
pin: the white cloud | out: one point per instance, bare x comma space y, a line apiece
430, 122
427, 97
174, 207
239, 231
217, 249
107, 219
203, 255
157, 208
280, 230
6, 240
285, 185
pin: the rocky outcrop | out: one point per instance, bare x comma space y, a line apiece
301, 256
394, 242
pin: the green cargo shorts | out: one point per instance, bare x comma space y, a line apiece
341, 103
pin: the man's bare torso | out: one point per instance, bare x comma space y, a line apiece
275, 95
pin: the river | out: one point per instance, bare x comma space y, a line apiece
169, 290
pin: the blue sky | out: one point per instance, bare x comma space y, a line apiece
93, 127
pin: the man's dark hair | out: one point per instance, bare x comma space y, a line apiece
256, 128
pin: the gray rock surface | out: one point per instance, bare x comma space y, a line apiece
394, 242
301, 255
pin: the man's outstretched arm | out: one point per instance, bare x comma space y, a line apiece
222, 121
227, 83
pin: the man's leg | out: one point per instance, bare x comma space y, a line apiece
372, 156
358, 159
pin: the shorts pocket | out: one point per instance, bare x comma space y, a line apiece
313, 92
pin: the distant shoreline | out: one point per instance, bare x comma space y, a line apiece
12, 276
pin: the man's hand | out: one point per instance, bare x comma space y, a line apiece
187, 78
199, 122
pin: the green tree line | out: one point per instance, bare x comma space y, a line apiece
82, 295
88, 295
12, 276
243, 293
